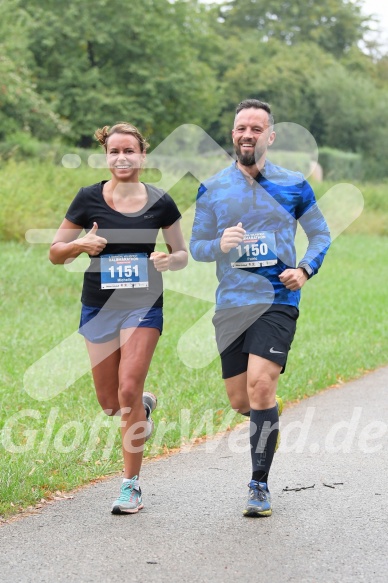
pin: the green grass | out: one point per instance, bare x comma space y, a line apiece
51, 446
374, 218
36, 195
342, 329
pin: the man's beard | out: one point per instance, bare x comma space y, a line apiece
249, 159
245, 159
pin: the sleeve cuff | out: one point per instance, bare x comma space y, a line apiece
307, 269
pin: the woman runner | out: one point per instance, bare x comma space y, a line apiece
122, 295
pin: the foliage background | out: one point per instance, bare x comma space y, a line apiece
68, 68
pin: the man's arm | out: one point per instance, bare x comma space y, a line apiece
314, 225
318, 234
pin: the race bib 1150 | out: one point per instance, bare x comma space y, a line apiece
256, 250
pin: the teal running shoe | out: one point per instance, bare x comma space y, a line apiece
259, 500
129, 501
149, 401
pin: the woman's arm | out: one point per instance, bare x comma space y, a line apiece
177, 257
66, 245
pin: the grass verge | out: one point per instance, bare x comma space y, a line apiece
36, 195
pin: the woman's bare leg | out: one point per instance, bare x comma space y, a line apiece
137, 348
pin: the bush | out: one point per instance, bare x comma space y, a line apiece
338, 165
22, 146
295, 161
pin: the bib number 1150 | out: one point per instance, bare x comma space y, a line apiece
254, 250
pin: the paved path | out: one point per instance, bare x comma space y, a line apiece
192, 529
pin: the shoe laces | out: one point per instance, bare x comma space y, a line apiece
257, 492
128, 490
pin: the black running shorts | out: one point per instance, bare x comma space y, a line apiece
266, 331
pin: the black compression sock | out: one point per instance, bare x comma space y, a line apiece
260, 476
264, 432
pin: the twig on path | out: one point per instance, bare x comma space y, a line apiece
298, 489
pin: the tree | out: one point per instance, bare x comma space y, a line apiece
283, 76
334, 25
22, 108
353, 112
100, 62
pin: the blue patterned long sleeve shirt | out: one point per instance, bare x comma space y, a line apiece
272, 205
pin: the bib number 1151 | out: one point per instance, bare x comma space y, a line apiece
129, 270
124, 271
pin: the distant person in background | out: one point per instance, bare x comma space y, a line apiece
122, 299
245, 221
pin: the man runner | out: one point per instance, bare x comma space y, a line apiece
245, 220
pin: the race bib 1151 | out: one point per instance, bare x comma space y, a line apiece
124, 271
